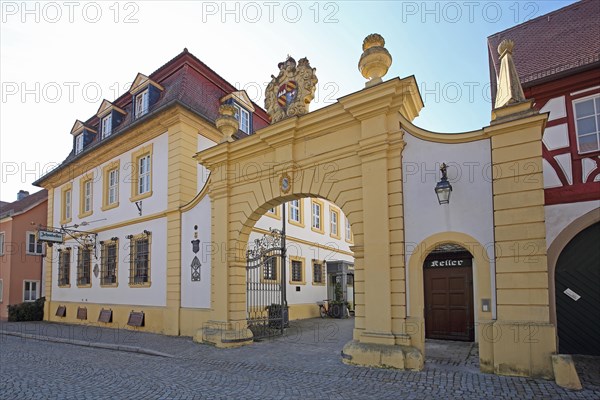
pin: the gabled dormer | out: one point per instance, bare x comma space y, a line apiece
110, 116
243, 109
82, 136
145, 94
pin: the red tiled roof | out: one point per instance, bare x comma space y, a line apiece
186, 80
24, 204
562, 42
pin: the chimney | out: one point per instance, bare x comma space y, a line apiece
22, 194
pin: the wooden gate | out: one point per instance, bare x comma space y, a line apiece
578, 294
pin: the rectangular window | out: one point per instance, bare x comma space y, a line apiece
79, 143
33, 246
1, 243
109, 258
296, 212
85, 200
141, 104
317, 216
334, 217
106, 126
270, 268
66, 197
64, 267
84, 261
318, 273
297, 273
113, 186
144, 174
139, 266
31, 290
243, 118
1, 290
587, 123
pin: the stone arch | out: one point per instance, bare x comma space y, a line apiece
416, 298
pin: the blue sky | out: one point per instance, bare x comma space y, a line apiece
58, 60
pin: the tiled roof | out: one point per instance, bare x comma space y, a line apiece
16, 207
562, 42
187, 81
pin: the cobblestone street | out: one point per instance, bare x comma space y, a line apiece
304, 364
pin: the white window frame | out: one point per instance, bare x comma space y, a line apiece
144, 174
107, 126
316, 217
79, 143
595, 116
348, 230
141, 103
113, 186
2, 243
243, 117
333, 222
68, 195
295, 209
37, 290
37, 244
87, 195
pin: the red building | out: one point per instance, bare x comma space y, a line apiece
21, 255
557, 57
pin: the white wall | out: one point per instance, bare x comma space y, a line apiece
470, 210
196, 294
155, 295
559, 216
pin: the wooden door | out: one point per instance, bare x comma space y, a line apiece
449, 303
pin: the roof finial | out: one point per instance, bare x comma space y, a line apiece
375, 59
509, 85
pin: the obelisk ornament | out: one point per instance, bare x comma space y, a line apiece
291, 91
375, 59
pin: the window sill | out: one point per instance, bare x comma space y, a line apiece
109, 206
109, 285
338, 237
318, 284
65, 221
274, 216
31, 254
89, 285
65, 286
321, 231
296, 223
140, 285
85, 214
297, 283
140, 196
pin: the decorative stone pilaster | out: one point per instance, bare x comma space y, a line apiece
226, 122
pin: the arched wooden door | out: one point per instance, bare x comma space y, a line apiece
578, 294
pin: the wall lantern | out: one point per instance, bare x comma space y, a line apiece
443, 187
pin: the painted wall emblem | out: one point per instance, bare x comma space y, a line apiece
291, 91
196, 265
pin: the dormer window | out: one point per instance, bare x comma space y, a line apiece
106, 126
79, 143
141, 104
243, 118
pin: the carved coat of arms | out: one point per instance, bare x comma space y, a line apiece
289, 93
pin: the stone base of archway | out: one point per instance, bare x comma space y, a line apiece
223, 335
382, 355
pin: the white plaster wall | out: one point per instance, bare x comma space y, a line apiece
196, 294
470, 210
203, 173
559, 216
155, 295
126, 209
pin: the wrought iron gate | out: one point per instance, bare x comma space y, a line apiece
266, 304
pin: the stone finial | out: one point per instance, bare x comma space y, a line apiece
509, 89
375, 59
226, 122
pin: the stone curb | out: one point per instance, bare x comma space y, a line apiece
99, 345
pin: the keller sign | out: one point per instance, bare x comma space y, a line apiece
466, 262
